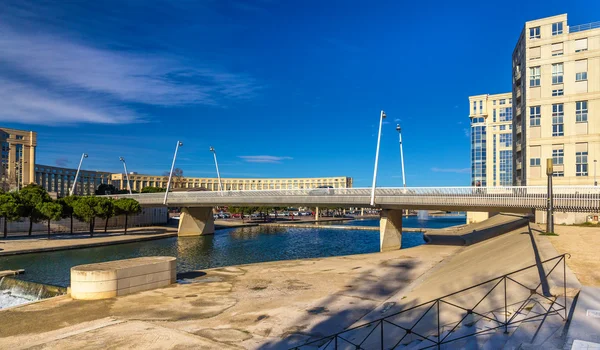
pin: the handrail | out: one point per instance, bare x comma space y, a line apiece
582, 27
436, 339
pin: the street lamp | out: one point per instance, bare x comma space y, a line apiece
401, 154
84, 155
381, 117
126, 174
212, 149
179, 144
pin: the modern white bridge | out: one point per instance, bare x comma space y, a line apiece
197, 206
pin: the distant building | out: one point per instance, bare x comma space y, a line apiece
60, 180
139, 181
491, 140
18, 158
556, 90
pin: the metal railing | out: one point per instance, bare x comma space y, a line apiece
393, 331
582, 27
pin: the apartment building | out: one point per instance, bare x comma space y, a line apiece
59, 180
139, 181
491, 139
18, 158
556, 93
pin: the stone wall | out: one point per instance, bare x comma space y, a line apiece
148, 217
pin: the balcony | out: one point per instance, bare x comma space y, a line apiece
519, 94
518, 147
519, 165
517, 75
519, 129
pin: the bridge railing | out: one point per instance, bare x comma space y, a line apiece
566, 198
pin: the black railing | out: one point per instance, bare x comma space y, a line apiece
422, 323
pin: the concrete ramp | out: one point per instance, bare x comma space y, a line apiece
474, 233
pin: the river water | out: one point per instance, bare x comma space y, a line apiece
226, 247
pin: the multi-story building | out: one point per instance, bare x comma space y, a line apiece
556, 92
491, 140
60, 180
139, 181
18, 158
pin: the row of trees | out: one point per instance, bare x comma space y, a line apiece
35, 204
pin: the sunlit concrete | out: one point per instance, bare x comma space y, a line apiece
196, 221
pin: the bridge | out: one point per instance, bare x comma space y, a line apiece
197, 218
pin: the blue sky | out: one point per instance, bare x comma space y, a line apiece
279, 88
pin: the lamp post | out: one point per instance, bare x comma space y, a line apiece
401, 154
179, 144
381, 117
550, 212
84, 155
212, 149
595, 182
126, 174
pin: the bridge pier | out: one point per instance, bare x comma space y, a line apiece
390, 229
196, 221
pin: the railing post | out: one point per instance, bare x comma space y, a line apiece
381, 325
335, 342
565, 283
439, 344
505, 309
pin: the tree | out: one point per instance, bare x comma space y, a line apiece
177, 177
30, 198
150, 189
10, 210
105, 210
85, 209
50, 211
105, 189
127, 206
67, 204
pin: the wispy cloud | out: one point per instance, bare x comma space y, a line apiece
451, 170
467, 132
397, 120
50, 67
62, 162
264, 159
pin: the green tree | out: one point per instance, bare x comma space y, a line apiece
10, 210
150, 189
67, 204
50, 211
31, 197
104, 189
127, 206
105, 210
84, 208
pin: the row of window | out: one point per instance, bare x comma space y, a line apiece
501, 101
558, 113
558, 155
558, 49
535, 74
535, 32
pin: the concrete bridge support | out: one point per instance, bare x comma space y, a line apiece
196, 221
390, 229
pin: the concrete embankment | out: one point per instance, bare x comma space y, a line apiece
273, 305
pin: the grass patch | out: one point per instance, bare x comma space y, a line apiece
588, 224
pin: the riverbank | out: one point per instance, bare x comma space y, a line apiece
272, 305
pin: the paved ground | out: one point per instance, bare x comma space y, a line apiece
583, 243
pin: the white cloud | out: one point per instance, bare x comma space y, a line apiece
101, 80
264, 159
29, 104
467, 132
451, 170
397, 120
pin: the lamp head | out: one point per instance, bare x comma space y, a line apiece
180, 143
383, 114
122, 159
212, 149
85, 155
398, 128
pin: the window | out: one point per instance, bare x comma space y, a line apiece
581, 166
580, 76
534, 116
557, 49
581, 45
558, 92
480, 107
581, 70
557, 120
506, 140
505, 114
557, 73
494, 115
581, 111
506, 168
474, 107
558, 156
494, 102
534, 33
558, 174
19, 137
502, 127
534, 162
535, 52
510, 100
534, 76
502, 101
557, 28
